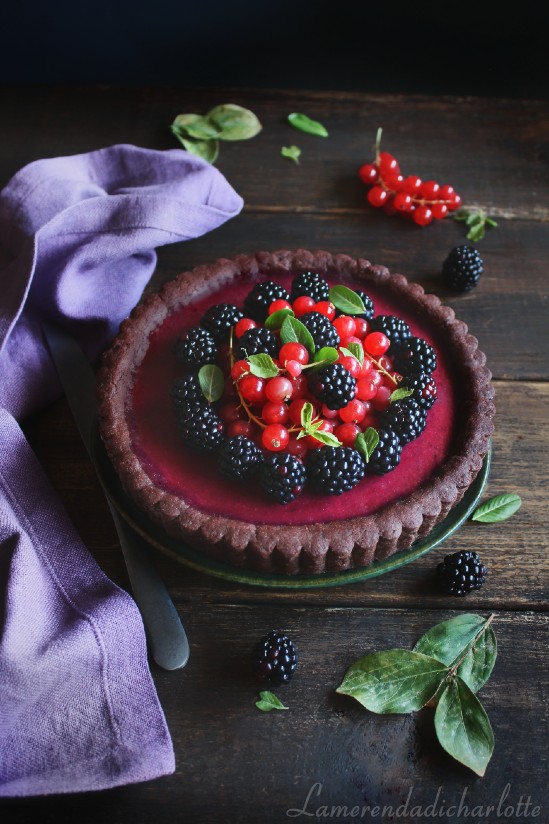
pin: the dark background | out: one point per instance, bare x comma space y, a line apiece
445, 48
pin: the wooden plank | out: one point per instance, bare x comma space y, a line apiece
237, 764
516, 550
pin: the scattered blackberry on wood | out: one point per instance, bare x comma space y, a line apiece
462, 268
239, 458
396, 329
460, 573
282, 477
257, 302
311, 284
386, 455
332, 384
219, 318
323, 332
274, 658
256, 341
407, 418
196, 348
333, 470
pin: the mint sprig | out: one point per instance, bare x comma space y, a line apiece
366, 442
477, 220
448, 665
312, 427
268, 701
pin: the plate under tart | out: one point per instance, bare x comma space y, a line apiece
177, 550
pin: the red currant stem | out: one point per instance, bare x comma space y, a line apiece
381, 369
243, 403
377, 146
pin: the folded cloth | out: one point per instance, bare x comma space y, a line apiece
78, 707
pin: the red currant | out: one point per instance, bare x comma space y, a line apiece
252, 389
297, 447
365, 389
388, 163
422, 215
302, 305
240, 427
243, 325
353, 412
377, 196
278, 305
231, 411
314, 443
294, 351
293, 368
296, 408
345, 326
350, 363
346, 433
326, 308
279, 389
274, 412
402, 202
439, 210
386, 363
429, 189
382, 399
239, 368
368, 174
329, 414
299, 385
411, 185
275, 437
376, 343
362, 328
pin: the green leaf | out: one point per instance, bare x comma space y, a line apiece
448, 643
498, 508
327, 438
276, 320
355, 350
306, 415
293, 330
325, 356
477, 220
234, 122
291, 152
393, 681
268, 701
366, 442
206, 149
212, 382
463, 728
262, 366
346, 300
305, 124
196, 126
311, 427
400, 393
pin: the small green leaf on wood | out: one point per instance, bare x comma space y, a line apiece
346, 300
262, 366
234, 122
400, 393
194, 125
268, 701
293, 330
366, 442
393, 681
307, 125
212, 382
292, 153
498, 508
206, 149
276, 320
463, 728
477, 220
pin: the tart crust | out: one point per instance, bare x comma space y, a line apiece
317, 547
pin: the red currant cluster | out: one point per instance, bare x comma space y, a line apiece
422, 201
269, 410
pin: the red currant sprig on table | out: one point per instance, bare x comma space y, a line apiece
422, 201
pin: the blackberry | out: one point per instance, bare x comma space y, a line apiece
274, 658
462, 268
219, 318
424, 389
201, 429
414, 357
239, 458
368, 305
407, 418
333, 470
282, 477
256, 341
186, 390
257, 302
386, 455
332, 384
396, 329
311, 284
321, 328
196, 348
460, 573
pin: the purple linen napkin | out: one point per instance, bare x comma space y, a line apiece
78, 707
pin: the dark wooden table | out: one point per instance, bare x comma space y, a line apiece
235, 764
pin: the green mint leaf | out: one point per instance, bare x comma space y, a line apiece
491, 222
291, 152
206, 149
262, 366
463, 728
393, 681
307, 415
292, 330
305, 124
268, 701
366, 442
234, 122
327, 438
400, 393
354, 350
498, 508
477, 220
212, 382
467, 638
346, 300
325, 355
276, 320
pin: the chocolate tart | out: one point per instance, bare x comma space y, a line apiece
313, 534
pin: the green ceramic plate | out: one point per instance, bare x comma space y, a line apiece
156, 536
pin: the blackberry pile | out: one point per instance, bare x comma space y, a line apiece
296, 426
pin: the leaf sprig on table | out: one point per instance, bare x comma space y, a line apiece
447, 666
477, 220
200, 134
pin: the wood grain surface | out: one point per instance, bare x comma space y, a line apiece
235, 764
